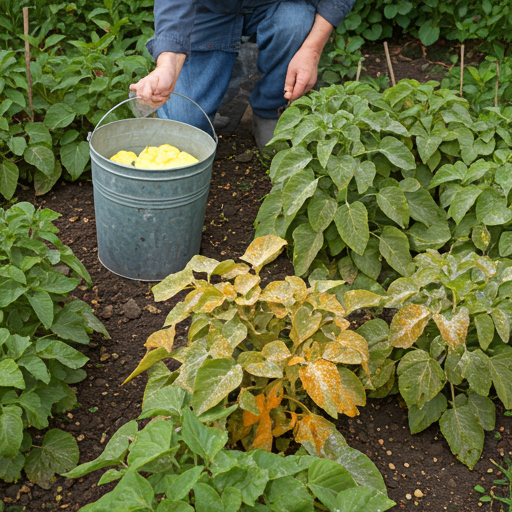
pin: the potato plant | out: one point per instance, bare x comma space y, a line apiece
265, 351
372, 178
39, 322
177, 462
451, 337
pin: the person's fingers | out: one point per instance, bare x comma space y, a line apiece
290, 81
301, 84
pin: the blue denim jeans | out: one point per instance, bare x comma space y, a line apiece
280, 28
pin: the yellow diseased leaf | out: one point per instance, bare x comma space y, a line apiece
275, 351
296, 360
228, 269
250, 298
228, 290
266, 369
278, 291
163, 338
282, 423
298, 286
327, 302
245, 282
323, 383
304, 324
356, 299
408, 325
263, 250
349, 348
173, 284
314, 430
454, 331
177, 314
278, 310
220, 348
200, 263
151, 357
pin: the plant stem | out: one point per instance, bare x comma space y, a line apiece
298, 403
27, 62
461, 69
453, 392
496, 92
390, 66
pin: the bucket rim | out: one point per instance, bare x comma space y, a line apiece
136, 119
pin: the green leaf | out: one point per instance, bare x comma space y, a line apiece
365, 174
505, 244
503, 177
10, 290
484, 409
481, 237
10, 374
9, 175
167, 401
477, 371
423, 208
307, 245
485, 330
44, 183
232, 499
420, 419
288, 494
150, 443
463, 201
501, 373
10, 469
42, 304
370, 261
502, 323
114, 452
394, 246
327, 478
287, 162
184, 483
434, 237
17, 145
391, 201
42, 157
362, 498
207, 499
58, 454
11, 431
420, 378
321, 210
203, 440
214, 381
59, 115
324, 150
38, 133
491, 208
397, 153
74, 157
352, 224
461, 428
36, 367
55, 349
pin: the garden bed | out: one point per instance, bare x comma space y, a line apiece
409, 464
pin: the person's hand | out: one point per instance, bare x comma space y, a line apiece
156, 88
302, 73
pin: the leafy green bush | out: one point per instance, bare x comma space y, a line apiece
38, 321
263, 351
372, 177
451, 337
75, 82
186, 467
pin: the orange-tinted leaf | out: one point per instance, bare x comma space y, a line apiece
322, 383
228, 290
314, 430
296, 360
454, 331
408, 325
163, 338
249, 417
356, 299
263, 250
278, 310
327, 302
298, 286
278, 291
349, 348
236, 426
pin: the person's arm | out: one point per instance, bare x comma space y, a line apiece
303, 68
170, 46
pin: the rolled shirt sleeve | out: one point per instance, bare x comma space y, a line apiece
174, 20
334, 11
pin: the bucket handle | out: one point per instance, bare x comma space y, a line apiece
215, 138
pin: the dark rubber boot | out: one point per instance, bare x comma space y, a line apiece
263, 129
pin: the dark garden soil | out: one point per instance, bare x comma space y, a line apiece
412, 466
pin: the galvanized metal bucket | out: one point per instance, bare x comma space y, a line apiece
149, 222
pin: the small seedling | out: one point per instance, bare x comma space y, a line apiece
506, 481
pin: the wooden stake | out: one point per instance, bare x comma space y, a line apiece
27, 62
359, 67
390, 67
496, 92
461, 69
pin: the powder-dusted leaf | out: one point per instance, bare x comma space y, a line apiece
408, 325
502, 323
420, 378
324, 384
307, 245
247, 402
400, 290
245, 282
163, 338
476, 369
357, 299
461, 428
304, 324
481, 237
392, 202
491, 208
151, 357
297, 190
215, 380
397, 153
172, 284
365, 173
484, 329
463, 201
503, 177
352, 224
263, 250
370, 262
505, 245
228, 269
434, 237
484, 409
314, 432
420, 419
501, 373
453, 331
427, 146
324, 150
349, 348
200, 263
284, 422
321, 210
394, 246
9, 174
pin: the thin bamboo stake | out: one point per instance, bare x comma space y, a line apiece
496, 92
27, 62
461, 69
390, 67
359, 67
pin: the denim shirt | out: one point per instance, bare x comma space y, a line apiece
174, 19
